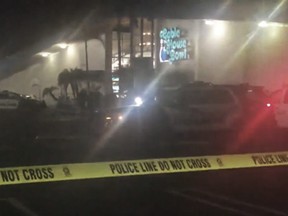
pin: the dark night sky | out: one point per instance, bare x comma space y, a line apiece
24, 22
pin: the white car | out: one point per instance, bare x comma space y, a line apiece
204, 108
9, 100
280, 100
12, 101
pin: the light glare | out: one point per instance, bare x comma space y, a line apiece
219, 30
263, 24
62, 45
138, 101
44, 54
209, 22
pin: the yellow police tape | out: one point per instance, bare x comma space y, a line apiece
66, 172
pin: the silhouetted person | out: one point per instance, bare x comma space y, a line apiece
94, 100
82, 99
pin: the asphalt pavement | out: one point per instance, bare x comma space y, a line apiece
230, 192
253, 191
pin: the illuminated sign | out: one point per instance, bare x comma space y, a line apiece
173, 47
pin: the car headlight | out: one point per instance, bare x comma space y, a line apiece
114, 118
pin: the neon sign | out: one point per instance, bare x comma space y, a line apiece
173, 47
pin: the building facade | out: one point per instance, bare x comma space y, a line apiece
221, 52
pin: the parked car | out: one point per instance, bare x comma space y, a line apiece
280, 100
204, 107
18, 115
9, 100
257, 106
13, 101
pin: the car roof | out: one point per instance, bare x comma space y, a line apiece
208, 87
121, 109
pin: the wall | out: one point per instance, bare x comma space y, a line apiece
226, 52
267, 58
46, 72
220, 60
215, 44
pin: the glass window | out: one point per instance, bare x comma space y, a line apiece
12, 95
146, 45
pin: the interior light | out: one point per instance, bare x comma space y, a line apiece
120, 117
209, 22
71, 50
62, 45
146, 33
263, 24
219, 29
44, 54
268, 105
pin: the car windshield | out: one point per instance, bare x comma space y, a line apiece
143, 107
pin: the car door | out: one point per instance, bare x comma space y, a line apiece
281, 109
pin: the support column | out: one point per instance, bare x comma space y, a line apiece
196, 50
152, 39
108, 61
141, 36
87, 66
119, 43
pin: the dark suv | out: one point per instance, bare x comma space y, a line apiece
258, 110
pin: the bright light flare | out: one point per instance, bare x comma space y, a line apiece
120, 117
138, 101
268, 105
71, 51
108, 134
218, 28
209, 22
249, 130
263, 24
62, 45
277, 9
44, 54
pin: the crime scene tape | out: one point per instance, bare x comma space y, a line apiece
78, 171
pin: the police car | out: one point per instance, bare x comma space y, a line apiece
9, 100
204, 107
13, 101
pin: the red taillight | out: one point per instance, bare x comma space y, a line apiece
268, 104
